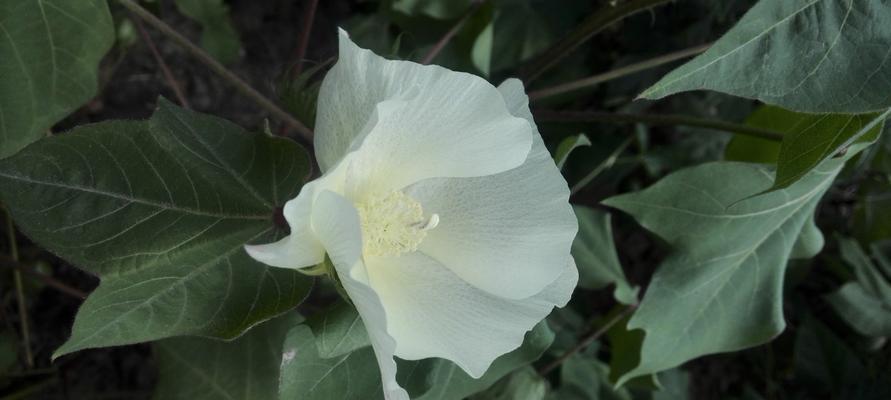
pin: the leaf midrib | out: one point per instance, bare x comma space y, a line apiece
137, 200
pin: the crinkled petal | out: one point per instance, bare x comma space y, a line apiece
409, 121
431, 312
336, 224
502, 233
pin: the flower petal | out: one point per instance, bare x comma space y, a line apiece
410, 121
514, 224
300, 249
431, 312
336, 224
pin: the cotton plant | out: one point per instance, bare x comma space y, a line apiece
439, 210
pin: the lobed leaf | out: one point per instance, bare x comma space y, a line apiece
721, 289
595, 255
160, 210
803, 55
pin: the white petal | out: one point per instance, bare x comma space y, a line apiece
300, 249
502, 233
431, 312
336, 224
412, 121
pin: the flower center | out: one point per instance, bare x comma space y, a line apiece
393, 224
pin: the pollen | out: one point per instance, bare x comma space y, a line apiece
393, 224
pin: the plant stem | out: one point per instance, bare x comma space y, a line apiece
594, 24
303, 40
603, 166
445, 39
50, 281
587, 340
656, 119
19, 291
617, 73
168, 75
218, 68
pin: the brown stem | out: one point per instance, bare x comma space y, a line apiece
303, 41
594, 24
168, 75
445, 39
218, 68
9, 263
19, 291
587, 341
617, 73
655, 119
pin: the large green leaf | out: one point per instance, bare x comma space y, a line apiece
721, 288
802, 55
49, 53
865, 303
246, 368
595, 255
218, 36
524, 384
160, 210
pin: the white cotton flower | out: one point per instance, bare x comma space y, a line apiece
443, 214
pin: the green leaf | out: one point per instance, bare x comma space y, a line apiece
160, 211
246, 368
338, 331
675, 385
625, 347
808, 140
595, 255
49, 54
584, 377
439, 9
523, 384
218, 36
823, 360
9, 351
566, 146
721, 288
306, 375
866, 303
449, 382
519, 33
872, 211
802, 55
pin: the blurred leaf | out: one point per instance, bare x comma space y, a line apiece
791, 53
160, 210
823, 360
338, 330
523, 384
721, 289
49, 54
439, 9
372, 32
306, 375
246, 368
675, 385
625, 348
757, 150
872, 211
566, 146
595, 255
9, 351
218, 36
519, 32
584, 377
300, 95
866, 303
